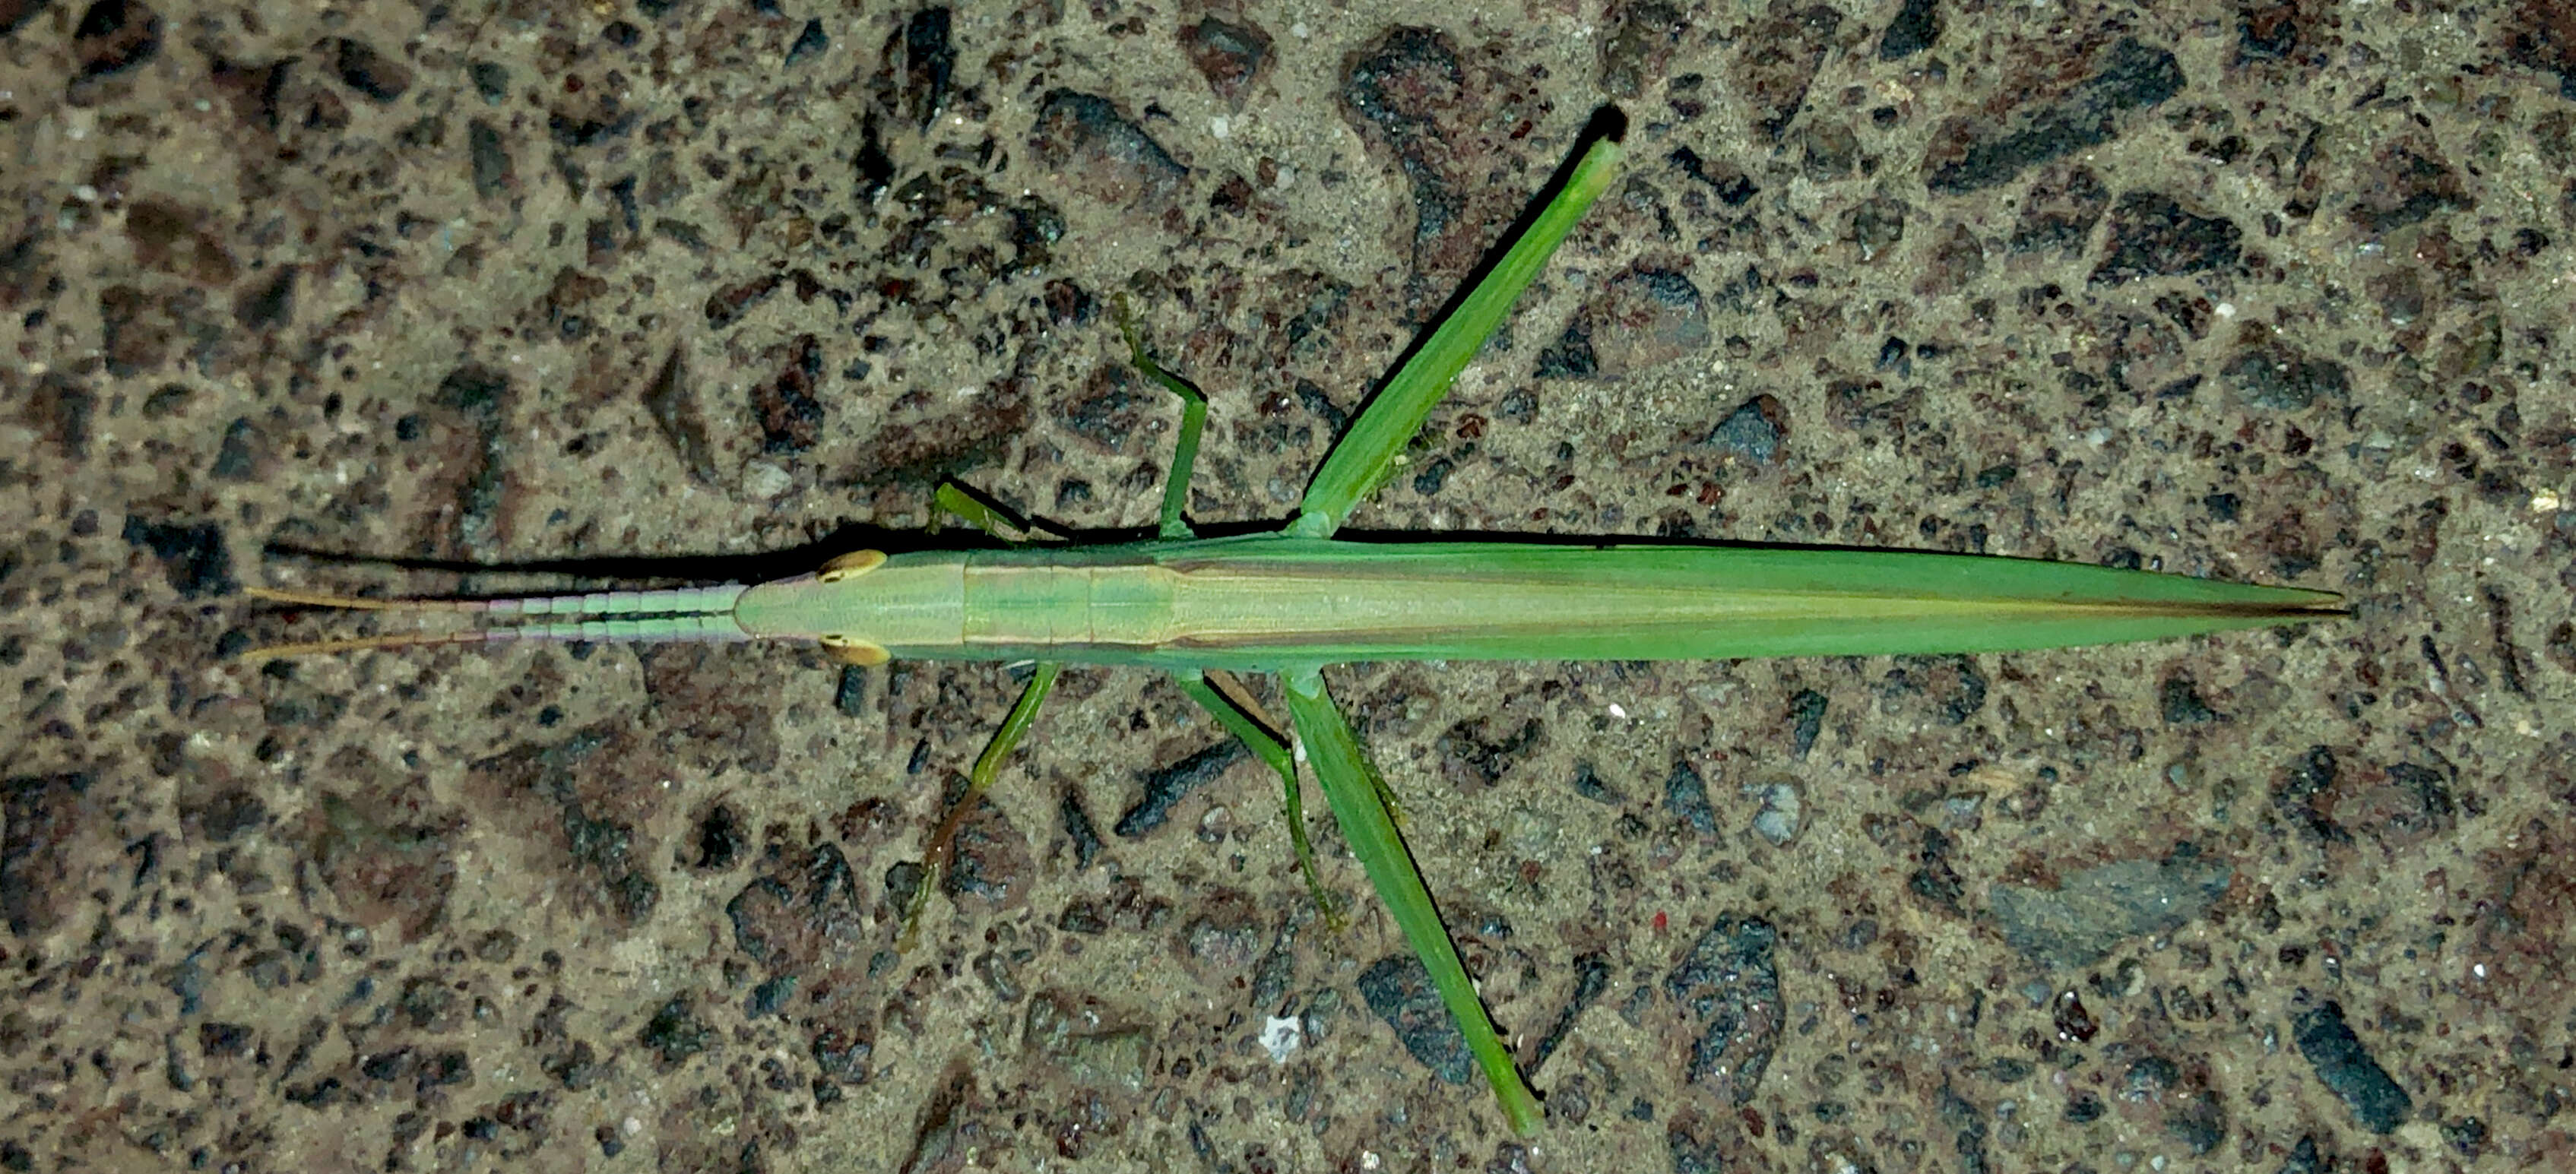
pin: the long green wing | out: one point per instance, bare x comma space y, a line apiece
1262, 603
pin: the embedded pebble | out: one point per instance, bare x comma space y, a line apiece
764, 480
1783, 809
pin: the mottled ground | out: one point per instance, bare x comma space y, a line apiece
2270, 291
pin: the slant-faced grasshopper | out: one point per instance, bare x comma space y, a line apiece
1295, 600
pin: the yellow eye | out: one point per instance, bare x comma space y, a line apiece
851, 565
852, 650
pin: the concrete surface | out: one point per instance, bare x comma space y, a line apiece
2263, 291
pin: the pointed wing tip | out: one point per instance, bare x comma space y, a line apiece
2317, 605
2305, 607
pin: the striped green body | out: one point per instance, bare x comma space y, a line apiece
1273, 602
1297, 600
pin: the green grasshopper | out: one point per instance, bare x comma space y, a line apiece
1300, 598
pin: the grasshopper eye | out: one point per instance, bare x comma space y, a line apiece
851, 565
853, 651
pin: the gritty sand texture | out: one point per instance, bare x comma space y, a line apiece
545, 295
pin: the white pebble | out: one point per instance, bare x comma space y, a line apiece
764, 480
1281, 1037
